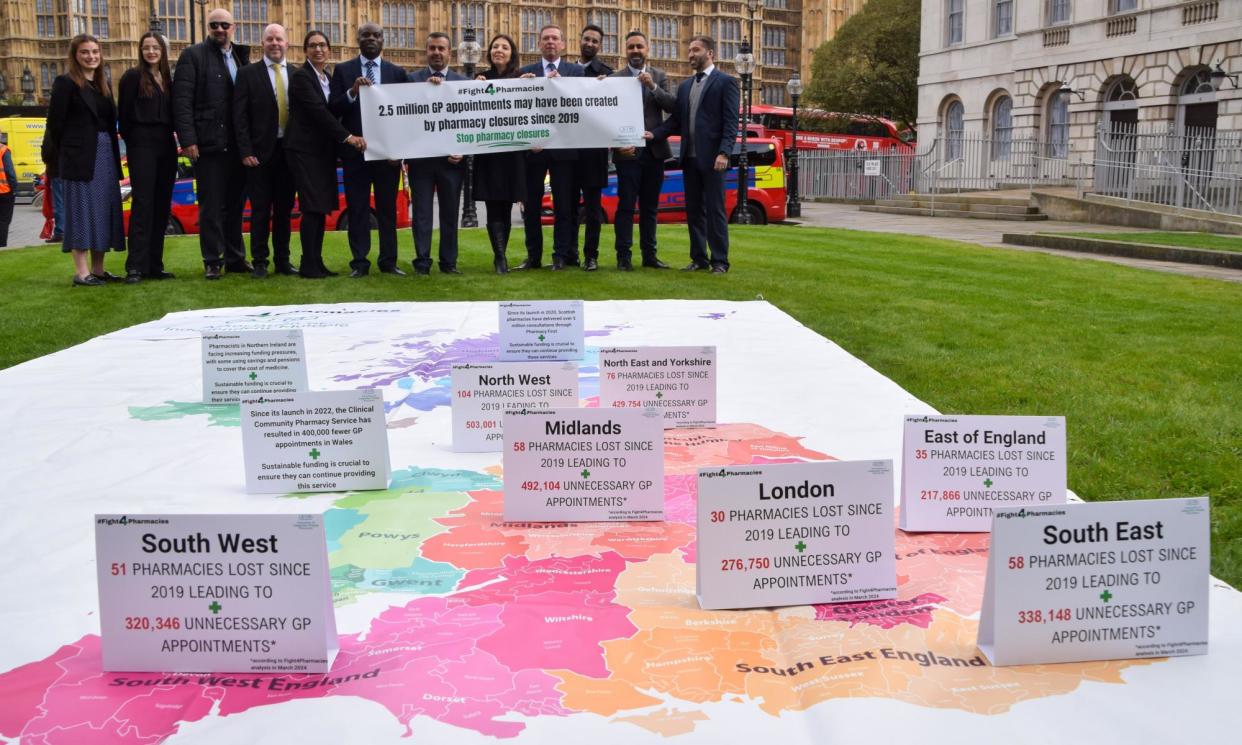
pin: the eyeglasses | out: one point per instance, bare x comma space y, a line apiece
213, 25
317, 45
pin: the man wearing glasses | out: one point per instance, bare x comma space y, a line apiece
203, 117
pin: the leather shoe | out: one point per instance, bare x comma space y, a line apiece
212, 272
693, 267
355, 274
719, 270
450, 270
393, 270
241, 268
590, 265
108, 277
89, 280
528, 263
133, 278
654, 263
422, 270
259, 272
625, 266
159, 275
557, 264
287, 270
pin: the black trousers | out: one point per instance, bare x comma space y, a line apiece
638, 179
6, 216
592, 218
310, 230
221, 196
360, 177
565, 207
152, 172
429, 178
705, 215
271, 203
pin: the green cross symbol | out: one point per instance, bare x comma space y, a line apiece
659, 394
253, 375
1106, 596
541, 337
314, 453
800, 546
214, 607
586, 474
987, 483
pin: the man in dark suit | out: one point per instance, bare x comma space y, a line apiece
441, 176
361, 175
203, 117
640, 171
260, 116
706, 118
559, 163
592, 171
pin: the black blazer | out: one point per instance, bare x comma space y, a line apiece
422, 76
315, 135
715, 121
203, 97
656, 103
256, 120
145, 121
75, 117
565, 70
350, 112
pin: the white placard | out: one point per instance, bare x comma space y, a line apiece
583, 465
871, 168
248, 364
956, 469
795, 534
1097, 581
214, 593
483, 393
679, 381
317, 441
541, 330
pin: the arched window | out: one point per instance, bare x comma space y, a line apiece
954, 128
1124, 89
1200, 82
1058, 124
1002, 128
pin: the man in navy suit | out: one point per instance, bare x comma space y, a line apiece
432, 176
560, 163
360, 175
706, 118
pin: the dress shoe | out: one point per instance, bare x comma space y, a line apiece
212, 272
422, 270
133, 278
58, 238
259, 272
159, 275
590, 265
316, 274
718, 269
528, 263
242, 268
355, 274
693, 267
624, 265
393, 270
328, 272
450, 270
286, 270
89, 280
654, 263
108, 277
557, 264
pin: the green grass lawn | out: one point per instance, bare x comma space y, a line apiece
1145, 365
1182, 240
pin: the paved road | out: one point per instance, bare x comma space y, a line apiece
27, 222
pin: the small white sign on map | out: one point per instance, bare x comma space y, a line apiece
248, 364
956, 469
795, 534
583, 465
316, 441
541, 330
871, 168
679, 381
1097, 581
483, 393
214, 593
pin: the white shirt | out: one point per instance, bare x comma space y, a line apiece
555, 63
363, 61
324, 82
707, 71
230, 62
271, 78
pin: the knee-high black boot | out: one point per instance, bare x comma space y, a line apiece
498, 233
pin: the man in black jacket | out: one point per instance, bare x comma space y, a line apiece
203, 117
260, 115
592, 173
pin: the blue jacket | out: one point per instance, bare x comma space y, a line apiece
716, 119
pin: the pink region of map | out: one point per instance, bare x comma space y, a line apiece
886, 614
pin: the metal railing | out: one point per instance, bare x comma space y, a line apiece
1200, 168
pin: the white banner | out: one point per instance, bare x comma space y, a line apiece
418, 120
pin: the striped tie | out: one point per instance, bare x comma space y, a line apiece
371, 71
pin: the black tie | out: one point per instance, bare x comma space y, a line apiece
698, 77
437, 74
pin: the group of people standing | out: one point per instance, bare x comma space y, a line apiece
272, 132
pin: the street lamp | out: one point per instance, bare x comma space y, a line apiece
744, 63
469, 52
793, 207
28, 87
1218, 76
154, 24
202, 19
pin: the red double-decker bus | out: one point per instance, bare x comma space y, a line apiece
823, 130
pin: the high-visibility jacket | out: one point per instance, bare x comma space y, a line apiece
5, 186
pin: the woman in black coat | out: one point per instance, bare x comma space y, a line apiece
80, 147
499, 177
145, 103
312, 138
